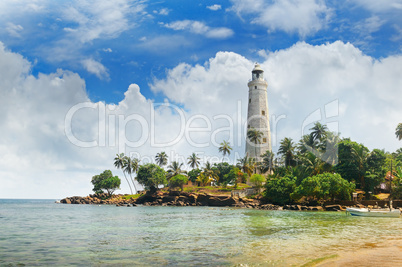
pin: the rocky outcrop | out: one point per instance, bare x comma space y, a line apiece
117, 200
178, 198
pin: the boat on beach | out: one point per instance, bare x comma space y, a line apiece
367, 212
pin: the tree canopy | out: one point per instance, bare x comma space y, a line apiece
151, 176
105, 182
324, 186
178, 180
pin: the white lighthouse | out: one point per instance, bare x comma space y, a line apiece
258, 114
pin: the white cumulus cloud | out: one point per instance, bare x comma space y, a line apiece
214, 7
54, 139
96, 68
304, 17
199, 27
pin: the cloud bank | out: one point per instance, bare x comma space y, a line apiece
45, 117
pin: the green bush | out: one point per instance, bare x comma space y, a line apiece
178, 180
257, 180
324, 186
278, 190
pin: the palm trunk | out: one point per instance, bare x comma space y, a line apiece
133, 184
131, 190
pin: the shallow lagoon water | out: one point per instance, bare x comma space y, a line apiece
40, 232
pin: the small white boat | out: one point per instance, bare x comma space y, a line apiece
394, 213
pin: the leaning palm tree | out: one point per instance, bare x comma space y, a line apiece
175, 169
161, 158
398, 131
130, 165
254, 136
318, 131
119, 164
193, 161
287, 150
225, 148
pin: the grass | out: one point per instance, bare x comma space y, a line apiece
214, 190
135, 196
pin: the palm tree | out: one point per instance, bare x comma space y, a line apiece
193, 161
313, 164
119, 164
318, 131
161, 159
247, 165
254, 136
398, 131
204, 179
210, 173
286, 149
307, 143
130, 165
360, 155
225, 148
267, 164
175, 169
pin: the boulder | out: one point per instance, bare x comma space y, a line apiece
174, 193
202, 199
333, 208
167, 199
316, 208
221, 202
65, 200
146, 198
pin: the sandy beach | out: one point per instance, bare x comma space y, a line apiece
383, 254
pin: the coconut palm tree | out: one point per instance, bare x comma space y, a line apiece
193, 161
267, 163
130, 166
398, 131
175, 169
313, 164
318, 131
360, 155
287, 150
247, 165
210, 173
225, 148
204, 179
307, 143
161, 159
119, 164
254, 136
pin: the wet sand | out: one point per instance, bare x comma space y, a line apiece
383, 254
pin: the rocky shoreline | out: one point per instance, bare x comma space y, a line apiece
178, 198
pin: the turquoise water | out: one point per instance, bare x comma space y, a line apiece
40, 232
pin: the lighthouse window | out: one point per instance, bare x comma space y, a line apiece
249, 101
263, 112
255, 87
248, 126
264, 140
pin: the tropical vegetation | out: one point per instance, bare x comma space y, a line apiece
105, 182
320, 166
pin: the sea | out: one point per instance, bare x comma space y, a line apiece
41, 233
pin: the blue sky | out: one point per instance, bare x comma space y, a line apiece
112, 45
186, 63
